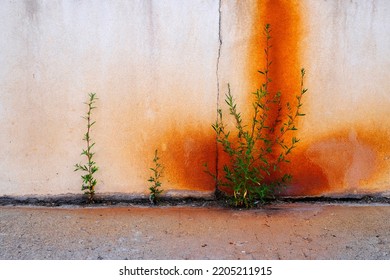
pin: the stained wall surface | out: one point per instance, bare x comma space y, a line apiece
160, 70
345, 49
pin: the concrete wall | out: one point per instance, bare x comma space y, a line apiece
160, 67
346, 53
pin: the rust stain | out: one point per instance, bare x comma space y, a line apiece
284, 19
185, 150
343, 162
309, 177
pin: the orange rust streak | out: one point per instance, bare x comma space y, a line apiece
284, 19
339, 162
187, 149
343, 161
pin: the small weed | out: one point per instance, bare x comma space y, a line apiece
89, 182
256, 149
155, 189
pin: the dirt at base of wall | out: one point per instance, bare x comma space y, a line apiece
207, 201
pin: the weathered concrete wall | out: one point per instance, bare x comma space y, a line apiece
346, 50
159, 67
345, 146
153, 67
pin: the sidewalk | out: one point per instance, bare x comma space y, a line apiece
287, 231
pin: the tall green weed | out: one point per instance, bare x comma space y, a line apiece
256, 148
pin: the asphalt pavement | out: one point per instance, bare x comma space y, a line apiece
287, 231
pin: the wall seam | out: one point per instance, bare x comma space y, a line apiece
218, 88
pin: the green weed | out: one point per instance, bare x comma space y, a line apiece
256, 149
155, 189
88, 169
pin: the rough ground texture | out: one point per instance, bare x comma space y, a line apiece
284, 231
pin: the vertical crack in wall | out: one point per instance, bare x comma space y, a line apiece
218, 87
